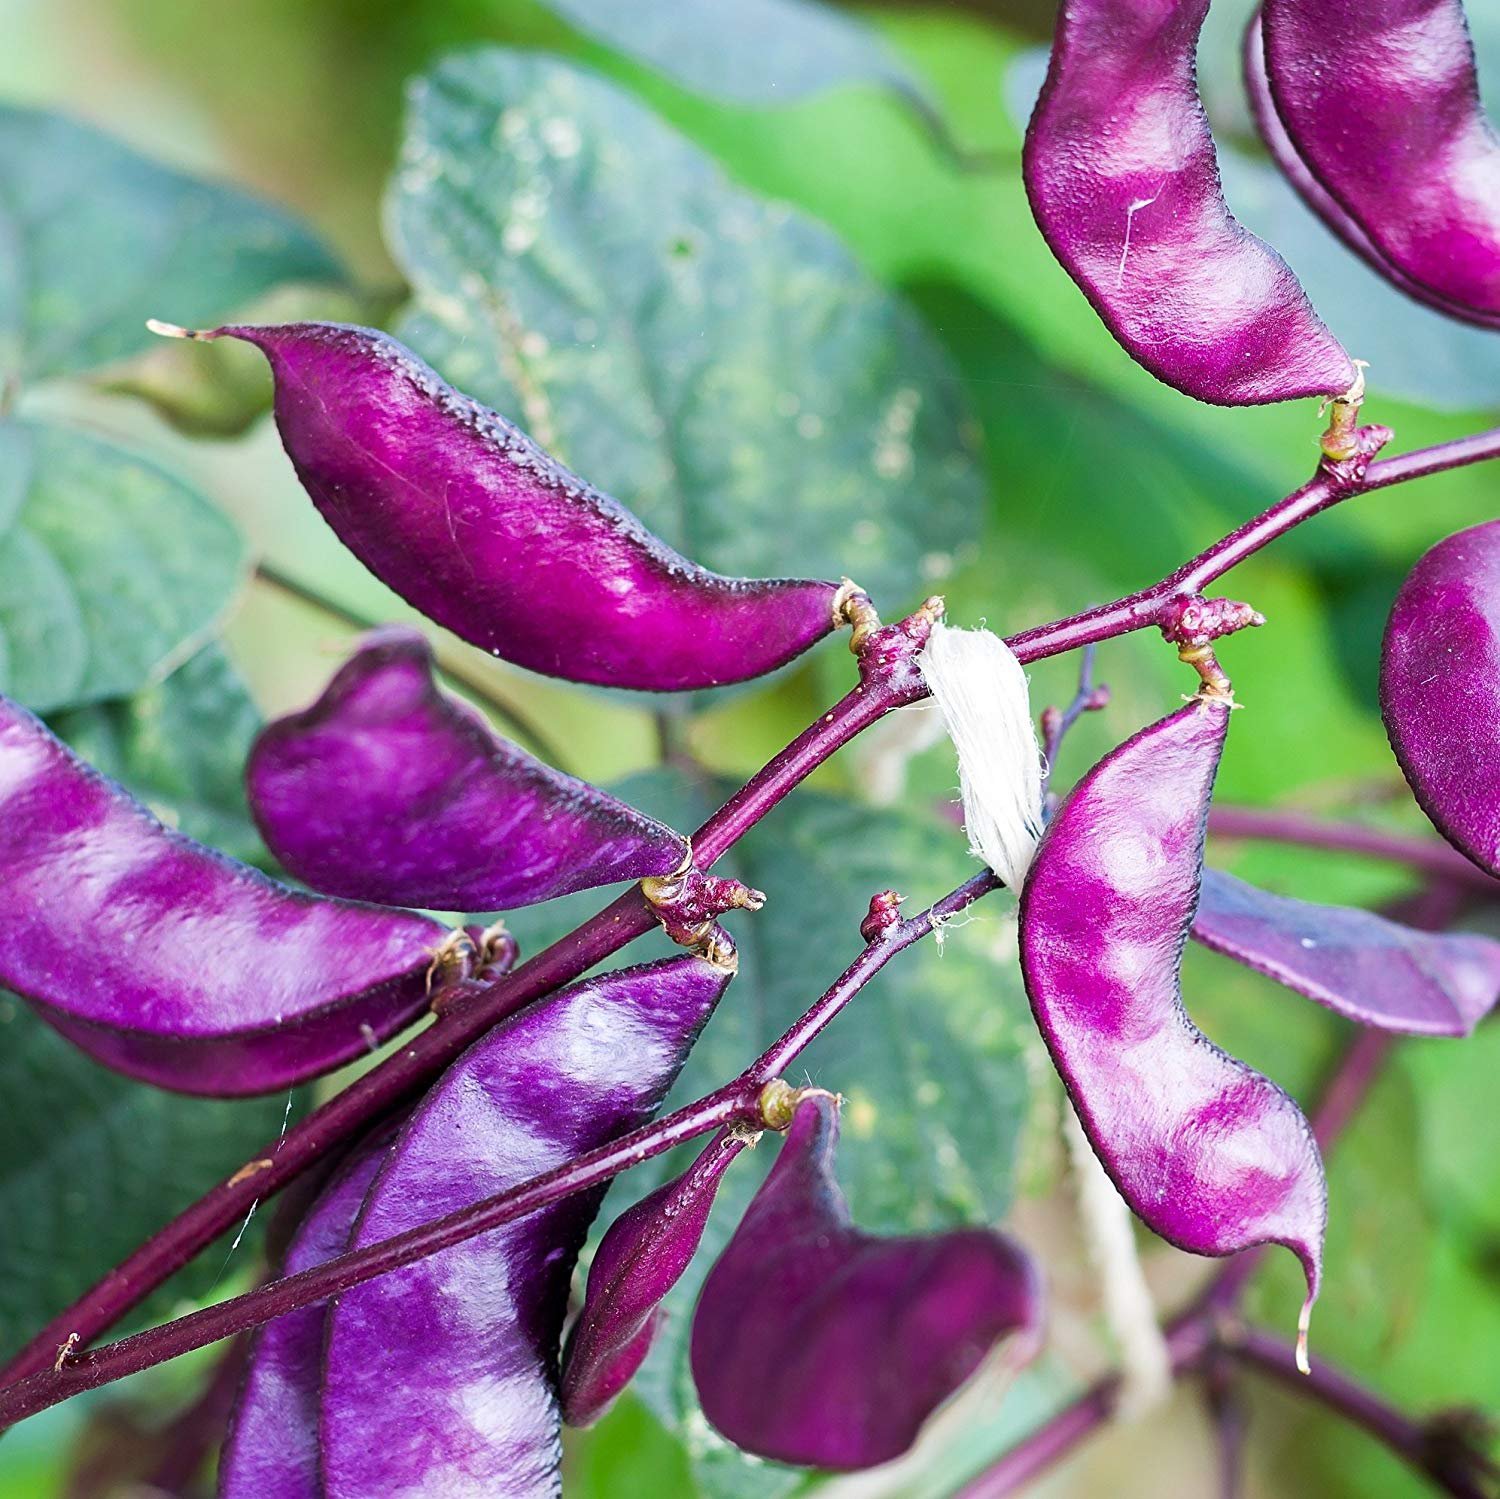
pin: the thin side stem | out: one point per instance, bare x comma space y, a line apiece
456, 671
1426, 854
736, 1102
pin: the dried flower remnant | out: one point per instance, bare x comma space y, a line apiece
472, 523
1210, 1155
387, 789
1124, 182
817, 1343
168, 961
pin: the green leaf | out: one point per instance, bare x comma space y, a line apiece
94, 1163
180, 746
752, 52
110, 567
932, 1057
719, 363
94, 239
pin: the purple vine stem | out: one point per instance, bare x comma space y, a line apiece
738, 1102
889, 680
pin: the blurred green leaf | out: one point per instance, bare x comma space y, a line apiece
931, 1058
94, 239
754, 51
180, 746
109, 566
719, 363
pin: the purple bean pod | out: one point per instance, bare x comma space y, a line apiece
644, 1254
386, 789
1318, 198
1368, 969
472, 523
170, 962
271, 1451
1440, 689
1210, 1155
815, 1343
1380, 101
441, 1378
1124, 182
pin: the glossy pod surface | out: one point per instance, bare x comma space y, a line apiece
441, 1378
1208, 1153
816, 1343
170, 962
1380, 98
1318, 198
1370, 970
639, 1260
471, 522
271, 1451
387, 789
1124, 182
1440, 688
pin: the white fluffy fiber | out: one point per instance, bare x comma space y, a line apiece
982, 694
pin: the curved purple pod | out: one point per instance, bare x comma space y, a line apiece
817, 1344
1208, 1153
387, 789
271, 1450
1370, 970
1124, 182
170, 962
1380, 99
471, 522
640, 1259
1318, 198
1440, 689
453, 1360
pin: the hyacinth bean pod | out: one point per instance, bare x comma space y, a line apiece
816, 1343
387, 789
1208, 1153
1440, 688
471, 522
453, 1360
170, 962
1273, 132
271, 1450
1370, 970
1380, 100
639, 1260
1124, 183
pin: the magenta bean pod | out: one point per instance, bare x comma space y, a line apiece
471, 522
1208, 1153
172, 963
1380, 100
1440, 688
817, 1343
453, 1360
271, 1451
387, 789
1124, 182
1368, 969
640, 1259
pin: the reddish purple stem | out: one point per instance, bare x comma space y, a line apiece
628, 917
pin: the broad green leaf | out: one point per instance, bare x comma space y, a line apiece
94, 239
931, 1057
180, 746
110, 567
718, 363
753, 52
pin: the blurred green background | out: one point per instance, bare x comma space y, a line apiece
766, 273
